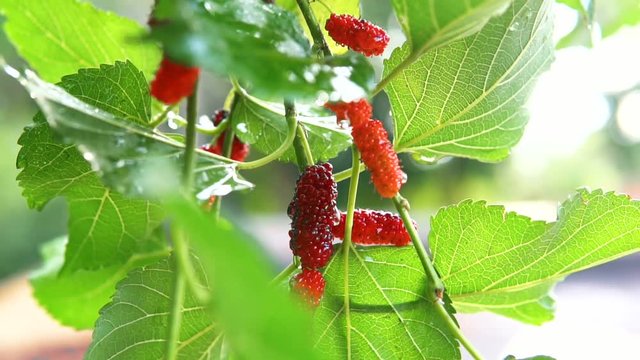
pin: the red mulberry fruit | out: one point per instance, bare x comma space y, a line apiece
359, 35
239, 150
309, 284
375, 228
378, 155
357, 112
173, 81
313, 214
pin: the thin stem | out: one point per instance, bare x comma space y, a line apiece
160, 118
314, 28
190, 141
346, 244
346, 174
437, 286
285, 273
292, 123
303, 143
304, 157
180, 245
457, 333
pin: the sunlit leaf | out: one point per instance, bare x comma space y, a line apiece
432, 23
389, 314
499, 261
466, 98
58, 37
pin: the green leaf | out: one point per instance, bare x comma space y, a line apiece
322, 11
263, 46
105, 228
264, 126
259, 320
134, 324
466, 98
499, 261
75, 299
390, 317
58, 37
613, 15
537, 357
131, 158
582, 34
432, 23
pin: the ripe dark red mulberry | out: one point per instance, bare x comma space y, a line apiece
359, 35
239, 150
357, 112
374, 228
378, 155
173, 81
309, 284
313, 214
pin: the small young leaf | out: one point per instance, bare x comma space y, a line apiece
390, 317
260, 44
105, 228
432, 23
263, 125
130, 158
58, 37
134, 324
466, 98
75, 299
499, 261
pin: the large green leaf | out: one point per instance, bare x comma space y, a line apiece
499, 261
390, 316
135, 324
105, 227
322, 11
260, 44
130, 158
58, 37
75, 299
263, 125
466, 98
432, 23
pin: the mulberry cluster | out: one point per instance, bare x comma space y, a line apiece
378, 155
374, 228
371, 138
357, 112
173, 81
313, 213
309, 284
359, 35
239, 150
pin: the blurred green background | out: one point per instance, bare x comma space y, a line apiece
584, 131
